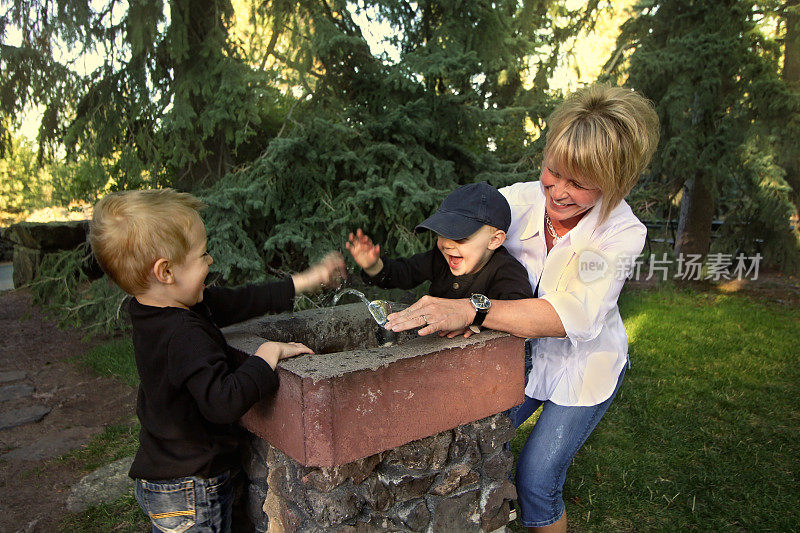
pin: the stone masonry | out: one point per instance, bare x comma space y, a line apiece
456, 480
365, 437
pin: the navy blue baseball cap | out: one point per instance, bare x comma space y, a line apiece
467, 209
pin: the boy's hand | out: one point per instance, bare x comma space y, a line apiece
322, 274
272, 352
364, 252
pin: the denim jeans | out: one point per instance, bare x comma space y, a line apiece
557, 435
188, 504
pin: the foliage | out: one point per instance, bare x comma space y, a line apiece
62, 286
380, 142
713, 73
173, 102
23, 185
701, 420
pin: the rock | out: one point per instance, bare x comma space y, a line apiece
499, 464
421, 455
104, 485
281, 517
495, 503
53, 444
415, 515
20, 417
12, 375
48, 235
325, 479
408, 487
256, 497
26, 265
453, 478
15, 391
330, 509
494, 431
457, 513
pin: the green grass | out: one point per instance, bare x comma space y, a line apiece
114, 442
705, 432
114, 358
122, 515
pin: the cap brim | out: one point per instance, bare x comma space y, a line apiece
451, 225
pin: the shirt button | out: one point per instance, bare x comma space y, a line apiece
455, 285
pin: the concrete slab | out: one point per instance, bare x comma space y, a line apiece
15, 391
20, 417
53, 444
6, 276
12, 375
334, 408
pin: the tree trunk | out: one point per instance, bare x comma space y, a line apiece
791, 75
205, 32
791, 48
696, 216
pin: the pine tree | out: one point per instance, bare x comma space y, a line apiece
379, 143
713, 74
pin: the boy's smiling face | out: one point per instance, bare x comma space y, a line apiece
468, 256
190, 275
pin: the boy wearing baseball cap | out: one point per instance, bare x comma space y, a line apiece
468, 260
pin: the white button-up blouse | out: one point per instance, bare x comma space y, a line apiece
581, 277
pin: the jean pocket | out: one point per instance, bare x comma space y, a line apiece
170, 505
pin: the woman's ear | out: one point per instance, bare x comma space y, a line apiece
497, 240
162, 271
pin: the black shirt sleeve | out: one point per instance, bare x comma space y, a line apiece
222, 394
406, 272
229, 305
510, 280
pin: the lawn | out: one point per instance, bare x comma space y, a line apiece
705, 432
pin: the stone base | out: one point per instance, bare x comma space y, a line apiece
456, 480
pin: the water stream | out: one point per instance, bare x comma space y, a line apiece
379, 309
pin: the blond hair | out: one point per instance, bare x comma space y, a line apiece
605, 135
131, 230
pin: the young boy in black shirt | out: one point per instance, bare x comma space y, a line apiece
152, 244
468, 261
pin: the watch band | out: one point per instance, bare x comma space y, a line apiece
480, 316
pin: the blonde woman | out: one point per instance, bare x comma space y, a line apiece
577, 237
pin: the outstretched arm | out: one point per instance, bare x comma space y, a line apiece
322, 274
531, 317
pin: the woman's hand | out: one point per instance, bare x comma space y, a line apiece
366, 254
327, 272
447, 317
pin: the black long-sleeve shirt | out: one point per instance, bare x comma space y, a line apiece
501, 278
192, 389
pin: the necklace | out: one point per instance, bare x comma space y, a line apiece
551, 230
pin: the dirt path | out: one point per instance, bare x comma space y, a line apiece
36, 375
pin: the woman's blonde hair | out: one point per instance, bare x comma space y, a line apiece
605, 135
131, 230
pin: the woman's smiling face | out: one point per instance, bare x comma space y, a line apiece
567, 196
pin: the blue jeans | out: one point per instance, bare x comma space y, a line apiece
187, 504
557, 435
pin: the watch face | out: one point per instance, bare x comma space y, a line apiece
480, 302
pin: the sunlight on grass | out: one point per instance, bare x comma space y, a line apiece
704, 432
123, 515
114, 358
114, 442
